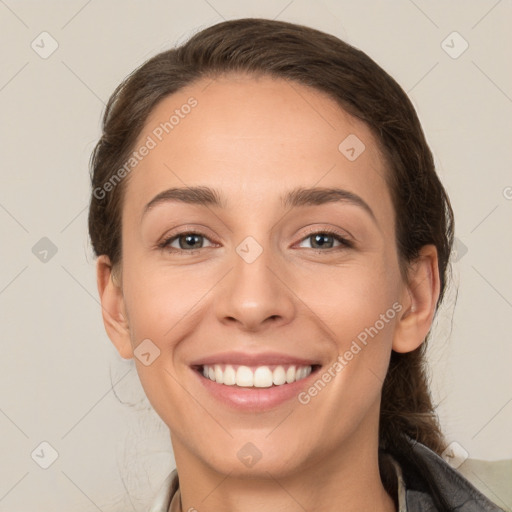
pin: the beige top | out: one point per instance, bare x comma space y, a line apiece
169, 497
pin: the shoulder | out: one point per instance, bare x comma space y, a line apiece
431, 484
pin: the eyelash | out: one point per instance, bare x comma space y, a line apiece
345, 244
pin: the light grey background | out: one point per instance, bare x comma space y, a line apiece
57, 365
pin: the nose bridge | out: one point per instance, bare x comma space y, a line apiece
254, 290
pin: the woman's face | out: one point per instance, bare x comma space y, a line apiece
269, 278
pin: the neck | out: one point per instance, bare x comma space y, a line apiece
347, 479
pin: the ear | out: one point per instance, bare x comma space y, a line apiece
419, 299
113, 308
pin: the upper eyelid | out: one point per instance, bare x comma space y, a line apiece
342, 233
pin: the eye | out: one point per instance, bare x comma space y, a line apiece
191, 241
187, 241
325, 240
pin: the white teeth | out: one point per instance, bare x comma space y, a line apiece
229, 376
259, 377
244, 377
279, 376
263, 377
218, 374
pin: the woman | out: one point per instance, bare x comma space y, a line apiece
273, 243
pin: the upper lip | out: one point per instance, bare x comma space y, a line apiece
260, 359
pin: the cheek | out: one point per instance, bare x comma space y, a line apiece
358, 307
349, 298
159, 299
163, 306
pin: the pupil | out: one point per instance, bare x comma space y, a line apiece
320, 240
190, 240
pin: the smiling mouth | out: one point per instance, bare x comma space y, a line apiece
255, 376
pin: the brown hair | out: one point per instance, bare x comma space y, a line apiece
322, 61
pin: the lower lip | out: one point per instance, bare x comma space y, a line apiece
255, 399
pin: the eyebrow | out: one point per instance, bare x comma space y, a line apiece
298, 197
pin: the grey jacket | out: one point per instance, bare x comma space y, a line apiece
424, 483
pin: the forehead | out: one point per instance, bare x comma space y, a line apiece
257, 137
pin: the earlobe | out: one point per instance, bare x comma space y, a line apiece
419, 300
113, 308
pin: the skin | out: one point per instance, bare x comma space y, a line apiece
254, 139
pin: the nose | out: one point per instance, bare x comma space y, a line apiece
256, 295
